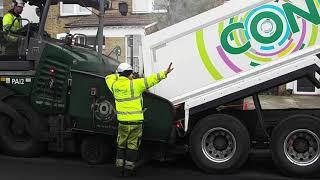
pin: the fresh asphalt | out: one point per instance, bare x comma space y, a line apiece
64, 167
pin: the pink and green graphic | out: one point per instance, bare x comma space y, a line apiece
262, 35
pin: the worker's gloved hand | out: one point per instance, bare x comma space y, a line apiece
22, 31
169, 69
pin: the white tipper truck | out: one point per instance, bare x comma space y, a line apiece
235, 51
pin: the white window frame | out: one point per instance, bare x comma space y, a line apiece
139, 56
1, 9
150, 8
76, 11
315, 92
61, 36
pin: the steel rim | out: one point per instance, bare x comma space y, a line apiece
218, 145
302, 147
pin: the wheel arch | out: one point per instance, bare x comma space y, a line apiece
5, 92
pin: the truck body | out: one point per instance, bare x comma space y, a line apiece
236, 50
219, 47
54, 97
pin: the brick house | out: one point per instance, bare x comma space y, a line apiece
128, 31
5, 6
121, 32
124, 33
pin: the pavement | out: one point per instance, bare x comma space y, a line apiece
72, 168
284, 102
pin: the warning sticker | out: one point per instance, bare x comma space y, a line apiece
8, 80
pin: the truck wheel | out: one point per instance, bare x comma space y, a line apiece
295, 145
219, 143
19, 140
95, 150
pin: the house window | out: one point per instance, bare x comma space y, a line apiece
74, 10
1, 11
149, 6
1, 8
134, 50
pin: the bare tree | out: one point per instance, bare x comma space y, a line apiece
179, 10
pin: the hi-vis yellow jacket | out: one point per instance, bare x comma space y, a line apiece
128, 94
7, 21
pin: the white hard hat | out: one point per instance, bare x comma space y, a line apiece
18, 3
124, 67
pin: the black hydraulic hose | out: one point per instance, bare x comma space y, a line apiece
259, 113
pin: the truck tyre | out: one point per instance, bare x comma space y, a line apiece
20, 140
295, 145
95, 150
219, 143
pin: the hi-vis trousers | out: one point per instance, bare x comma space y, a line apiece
128, 142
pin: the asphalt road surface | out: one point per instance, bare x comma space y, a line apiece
62, 167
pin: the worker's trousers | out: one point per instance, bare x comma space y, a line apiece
128, 142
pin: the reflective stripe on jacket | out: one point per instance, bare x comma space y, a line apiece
8, 20
128, 94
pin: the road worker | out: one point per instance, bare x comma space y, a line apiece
12, 20
127, 93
